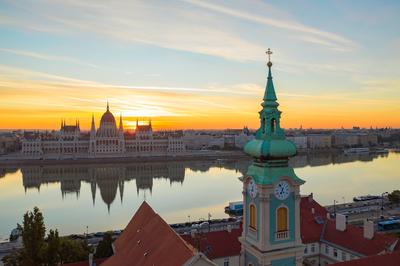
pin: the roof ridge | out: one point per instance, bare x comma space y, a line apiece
187, 245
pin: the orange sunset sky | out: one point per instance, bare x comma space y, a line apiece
198, 64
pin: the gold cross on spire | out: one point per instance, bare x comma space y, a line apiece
269, 53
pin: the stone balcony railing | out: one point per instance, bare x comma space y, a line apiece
281, 235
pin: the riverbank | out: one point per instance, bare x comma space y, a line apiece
187, 156
191, 155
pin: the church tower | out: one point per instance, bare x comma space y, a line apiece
271, 192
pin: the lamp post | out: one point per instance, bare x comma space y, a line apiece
382, 197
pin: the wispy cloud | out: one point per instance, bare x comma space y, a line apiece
324, 37
52, 97
47, 57
184, 28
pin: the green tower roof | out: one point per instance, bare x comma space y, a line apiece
270, 143
269, 94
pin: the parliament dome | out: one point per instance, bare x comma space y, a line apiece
107, 117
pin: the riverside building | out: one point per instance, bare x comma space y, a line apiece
106, 141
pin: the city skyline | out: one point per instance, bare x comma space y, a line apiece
199, 65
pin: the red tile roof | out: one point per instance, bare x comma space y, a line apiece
311, 224
353, 239
149, 240
217, 244
314, 229
392, 259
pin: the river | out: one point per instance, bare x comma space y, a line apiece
76, 198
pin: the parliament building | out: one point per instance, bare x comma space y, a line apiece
107, 141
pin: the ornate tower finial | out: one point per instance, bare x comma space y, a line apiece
108, 107
269, 53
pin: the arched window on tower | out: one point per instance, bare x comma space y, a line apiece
273, 125
282, 223
253, 216
282, 219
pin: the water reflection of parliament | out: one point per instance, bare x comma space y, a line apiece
110, 178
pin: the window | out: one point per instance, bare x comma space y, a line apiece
343, 256
327, 249
306, 250
282, 219
335, 252
253, 216
273, 122
226, 262
313, 248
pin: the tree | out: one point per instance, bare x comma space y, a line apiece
33, 231
73, 250
40, 251
104, 248
52, 250
394, 197
12, 259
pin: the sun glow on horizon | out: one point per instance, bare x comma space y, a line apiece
192, 65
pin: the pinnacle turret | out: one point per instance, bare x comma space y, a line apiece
93, 127
121, 127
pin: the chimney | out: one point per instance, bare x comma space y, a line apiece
340, 222
90, 259
311, 197
312, 210
229, 228
368, 229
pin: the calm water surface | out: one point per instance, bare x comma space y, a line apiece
105, 197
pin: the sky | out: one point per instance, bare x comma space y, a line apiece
199, 64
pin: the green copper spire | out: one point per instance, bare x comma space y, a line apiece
270, 144
269, 95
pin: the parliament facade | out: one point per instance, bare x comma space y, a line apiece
107, 141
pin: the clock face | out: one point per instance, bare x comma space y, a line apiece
282, 190
252, 188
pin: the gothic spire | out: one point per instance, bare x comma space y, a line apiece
121, 127
93, 128
108, 106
